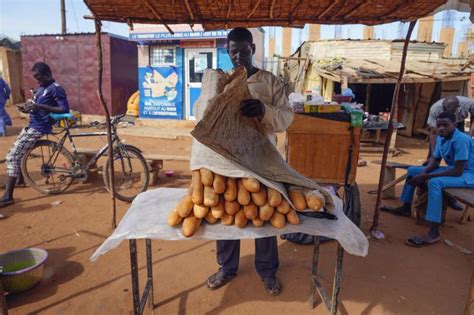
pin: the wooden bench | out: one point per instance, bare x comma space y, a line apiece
154, 161
463, 195
390, 180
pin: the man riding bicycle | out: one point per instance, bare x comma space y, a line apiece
50, 97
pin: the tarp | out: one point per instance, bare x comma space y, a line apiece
147, 219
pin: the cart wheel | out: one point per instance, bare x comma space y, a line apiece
352, 206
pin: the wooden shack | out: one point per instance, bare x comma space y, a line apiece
11, 71
370, 68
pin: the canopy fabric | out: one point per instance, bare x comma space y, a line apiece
225, 14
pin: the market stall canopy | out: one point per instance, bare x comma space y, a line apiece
226, 14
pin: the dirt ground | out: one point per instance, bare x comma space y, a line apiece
392, 279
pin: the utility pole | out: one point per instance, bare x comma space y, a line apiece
63, 17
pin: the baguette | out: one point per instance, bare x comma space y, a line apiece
278, 220
251, 211
274, 197
185, 206
200, 211
227, 219
265, 212
174, 218
251, 184
257, 222
231, 207
284, 207
297, 199
190, 225
230, 193
240, 219
207, 177
219, 184
211, 199
243, 196
197, 194
260, 198
218, 210
292, 217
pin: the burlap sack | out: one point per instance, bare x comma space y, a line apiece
240, 139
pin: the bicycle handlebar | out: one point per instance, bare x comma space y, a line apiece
116, 119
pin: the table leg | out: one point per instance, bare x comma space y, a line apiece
314, 272
134, 273
337, 279
149, 271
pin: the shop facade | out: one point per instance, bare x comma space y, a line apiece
171, 66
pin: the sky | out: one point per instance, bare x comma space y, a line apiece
30, 17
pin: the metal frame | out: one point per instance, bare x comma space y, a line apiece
333, 303
139, 301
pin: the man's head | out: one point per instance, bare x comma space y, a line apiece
451, 104
446, 124
42, 73
240, 47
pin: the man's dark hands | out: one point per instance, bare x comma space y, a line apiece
252, 108
417, 180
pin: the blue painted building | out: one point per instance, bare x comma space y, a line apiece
171, 66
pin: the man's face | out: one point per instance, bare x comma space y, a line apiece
445, 127
241, 53
451, 106
42, 78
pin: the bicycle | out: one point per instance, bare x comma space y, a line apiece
50, 168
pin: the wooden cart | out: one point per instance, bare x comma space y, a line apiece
325, 147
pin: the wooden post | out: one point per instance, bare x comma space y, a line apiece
314, 32
388, 137
98, 28
286, 44
63, 17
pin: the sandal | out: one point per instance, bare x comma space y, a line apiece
421, 241
219, 279
272, 286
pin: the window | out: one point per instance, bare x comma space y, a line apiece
162, 56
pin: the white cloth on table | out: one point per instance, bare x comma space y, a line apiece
147, 219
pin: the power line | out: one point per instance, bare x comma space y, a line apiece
75, 17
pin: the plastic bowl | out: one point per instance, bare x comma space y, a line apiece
22, 269
169, 173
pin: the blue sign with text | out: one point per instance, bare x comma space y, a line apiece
161, 92
178, 35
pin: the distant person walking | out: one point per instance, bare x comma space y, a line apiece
4, 96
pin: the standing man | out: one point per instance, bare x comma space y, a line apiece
49, 98
460, 106
270, 105
457, 151
4, 96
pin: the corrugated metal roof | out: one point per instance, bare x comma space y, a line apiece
386, 71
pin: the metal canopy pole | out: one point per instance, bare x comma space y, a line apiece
393, 114
110, 156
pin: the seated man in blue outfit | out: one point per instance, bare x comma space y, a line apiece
49, 98
457, 151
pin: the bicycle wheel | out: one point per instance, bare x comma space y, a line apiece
48, 168
131, 173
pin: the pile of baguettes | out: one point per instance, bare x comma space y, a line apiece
237, 200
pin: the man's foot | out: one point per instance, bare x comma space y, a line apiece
272, 286
219, 279
6, 203
455, 205
402, 211
424, 240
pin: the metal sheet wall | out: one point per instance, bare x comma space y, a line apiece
72, 59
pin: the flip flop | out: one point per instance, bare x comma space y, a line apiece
394, 211
272, 286
219, 279
421, 241
6, 203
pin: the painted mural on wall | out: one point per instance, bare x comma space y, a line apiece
161, 92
